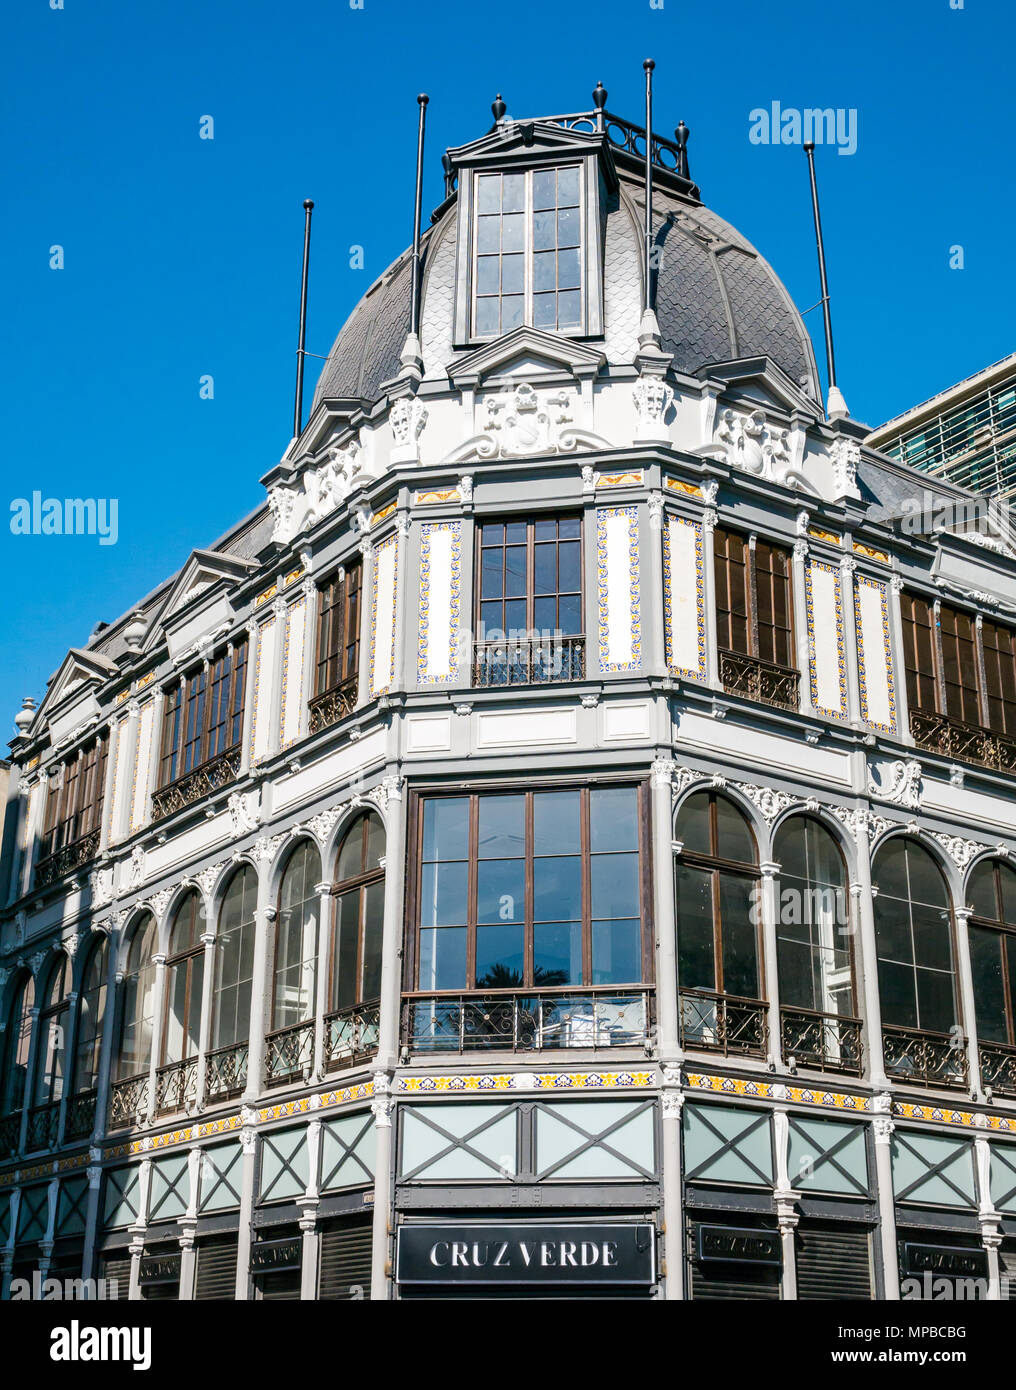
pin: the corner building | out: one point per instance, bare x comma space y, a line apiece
560, 844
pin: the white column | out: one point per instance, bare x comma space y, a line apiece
883, 1132
966, 983
668, 1033
188, 1225
382, 1107
321, 956
847, 567
803, 638
35, 822
367, 564
248, 696
138, 1229
709, 598
205, 1022
867, 961
249, 1144
310, 628
159, 961
672, 1103
899, 669
260, 987
769, 908
784, 1198
308, 1216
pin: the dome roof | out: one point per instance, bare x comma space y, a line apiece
716, 300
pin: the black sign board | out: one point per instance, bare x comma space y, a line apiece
159, 1269
740, 1245
519, 1253
276, 1255
951, 1261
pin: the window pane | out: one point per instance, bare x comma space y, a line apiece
511, 312
515, 571
892, 928
1007, 878
567, 186
489, 193
557, 950
568, 227
491, 566
513, 233
932, 946
346, 944
613, 823
446, 828
373, 919
695, 928
556, 822
544, 190
501, 827
693, 824
733, 838
616, 953
513, 193
501, 890
569, 309
487, 312
443, 894
443, 958
545, 310
936, 1006
897, 994
740, 938
569, 614
488, 275
512, 274
989, 990
544, 231
545, 569
615, 885
499, 957
557, 889
544, 271
568, 274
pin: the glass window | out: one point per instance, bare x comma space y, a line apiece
50, 1065
203, 713
358, 915
913, 929
716, 887
74, 801
338, 644
135, 1052
91, 1017
527, 263
296, 938
17, 1044
992, 894
185, 978
812, 925
234, 959
753, 604
533, 888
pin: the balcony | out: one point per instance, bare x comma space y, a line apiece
210, 777
332, 705
829, 1042
528, 661
351, 1035
80, 1118
724, 1023
128, 1101
925, 1059
289, 1054
998, 1068
967, 742
176, 1087
10, 1135
760, 680
521, 1021
81, 851
43, 1124
226, 1072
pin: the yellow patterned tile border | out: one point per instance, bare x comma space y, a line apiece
425, 499
524, 1081
870, 552
270, 592
383, 514
1003, 1124
774, 1090
292, 577
124, 694
632, 477
676, 485
818, 534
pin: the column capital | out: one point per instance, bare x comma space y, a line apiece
883, 1127
769, 869
662, 772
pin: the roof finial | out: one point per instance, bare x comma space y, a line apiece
681, 136
498, 107
599, 101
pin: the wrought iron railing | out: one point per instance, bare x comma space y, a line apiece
953, 739
128, 1101
760, 680
925, 1059
724, 1023
43, 1124
10, 1134
201, 782
66, 860
998, 1067
351, 1035
332, 705
289, 1054
830, 1042
529, 661
80, 1118
226, 1071
524, 1021
176, 1086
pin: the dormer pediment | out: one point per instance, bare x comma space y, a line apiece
72, 696
205, 571
529, 141
761, 380
526, 352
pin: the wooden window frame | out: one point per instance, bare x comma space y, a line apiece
983, 696
189, 955
1006, 931
748, 563
74, 808
530, 521
358, 883
187, 716
333, 635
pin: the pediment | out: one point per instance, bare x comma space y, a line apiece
526, 352
79, 671
761, 380
204, 570
513, 136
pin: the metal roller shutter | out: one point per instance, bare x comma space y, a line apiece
833, 1261
216, 1271
284, 1285
116, 1267
726, 1279
344, 1268
1007, 1270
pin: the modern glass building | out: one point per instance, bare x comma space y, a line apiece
560, 844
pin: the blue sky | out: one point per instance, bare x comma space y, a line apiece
182, 254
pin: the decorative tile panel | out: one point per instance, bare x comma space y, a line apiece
440, 601
293, 648
684, 617
828, 664
265, 641
142, 764
875, 675
617, 588
383, 598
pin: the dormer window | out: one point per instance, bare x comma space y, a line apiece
527, 251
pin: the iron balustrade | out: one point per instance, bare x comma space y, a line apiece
289, 1054
80, 1118
724, 1023
938, 733
210, 777
128, 1101
226, 1071
332, 705
528, 661
830, 1042
526, 1020
10, 1135
176, 1086
763, 681
43, 1124
351, 1035
998, 1067
64, 861
924, 1058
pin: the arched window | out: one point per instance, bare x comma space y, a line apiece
296, 939
357, 915
185, 967
17, 1044
992, 895
91, 1017
813, 947
916, 975
234, 960
718, 927
138, 1023
51, 1055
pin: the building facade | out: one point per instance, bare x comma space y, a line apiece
560, 844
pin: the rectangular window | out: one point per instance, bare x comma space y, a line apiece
532, 889
338, 647
958, 668
74, 803
919, 652
203, 714
527, 257
1000, 676
753, 605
